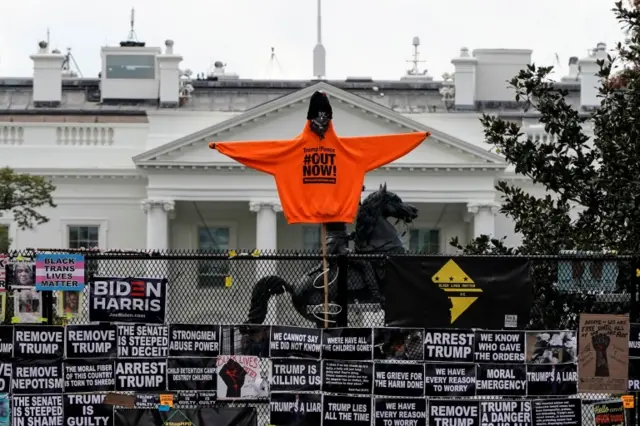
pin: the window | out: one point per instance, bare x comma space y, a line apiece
131, 66
85, 237
213, 272
425, 241
311, 238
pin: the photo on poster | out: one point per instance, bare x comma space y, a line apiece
27, 306
396, 411
295, 409
69, 303
240, 377
552, 347
250, 340
398, 344
295, 375
20, 275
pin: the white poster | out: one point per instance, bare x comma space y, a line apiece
27, 306
239, 377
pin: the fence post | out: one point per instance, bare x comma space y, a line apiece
342, 298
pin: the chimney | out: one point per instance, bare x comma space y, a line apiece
169, 69
589, 80
465, 80
574, 70
496, 67
47, 77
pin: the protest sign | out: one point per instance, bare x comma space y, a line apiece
499, 346
295, 409
140, 300
449, 345
454, 412
347, 344
90, 375
143, 341
91, 341
353, 377
38, 342
37, 376
191, 374
546, 379
141, 375
59, 272
395, 379
448, 379
194, 340
505, 413
6, 341
87, 410
295, 342
400, 412
240, 377
6, 373
35, 410
501, 379
295, 375
340, 410
554, 412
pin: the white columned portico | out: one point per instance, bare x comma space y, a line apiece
158, 212
484, 217
267, 241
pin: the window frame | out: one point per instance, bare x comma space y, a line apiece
102, 224
215, 280
421, 230
304, 242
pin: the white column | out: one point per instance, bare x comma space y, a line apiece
484, 217
158, 212
267, 242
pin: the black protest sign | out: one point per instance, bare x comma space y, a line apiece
37, 376
6, 372
500, 346
203, 416
194, 340
347, 376
398, 343
128, 300
609, 413
554, 412
634, 374
295, 342
141, 375
37, 410
395, 379
89, 375
634, 340
295, 375
554, 379
193, 399
400, 412
38, 342
6, 341
143, 341
295, 409
191, 374
464, 292
87, 410
446, 379
449, 345
505, 413
347, 344
501, 379
92, 341
454, 412
338, 410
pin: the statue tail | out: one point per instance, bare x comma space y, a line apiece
262, 292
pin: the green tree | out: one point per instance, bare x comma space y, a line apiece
21, 195
599, 174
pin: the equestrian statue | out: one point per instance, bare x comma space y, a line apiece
374, 234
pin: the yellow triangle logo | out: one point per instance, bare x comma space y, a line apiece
459, 305
451, 273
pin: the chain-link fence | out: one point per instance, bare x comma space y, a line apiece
217, 288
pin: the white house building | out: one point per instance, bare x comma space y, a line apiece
128, 150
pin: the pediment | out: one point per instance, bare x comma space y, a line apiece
284, 118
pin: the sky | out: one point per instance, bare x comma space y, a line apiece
370, 38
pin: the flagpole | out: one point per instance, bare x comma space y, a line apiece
325, 275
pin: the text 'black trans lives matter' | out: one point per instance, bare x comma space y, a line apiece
128, 300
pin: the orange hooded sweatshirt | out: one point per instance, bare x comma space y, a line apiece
320, 180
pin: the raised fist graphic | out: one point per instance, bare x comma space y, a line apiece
600, 343
233, 376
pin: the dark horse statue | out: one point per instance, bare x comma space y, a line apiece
374, 233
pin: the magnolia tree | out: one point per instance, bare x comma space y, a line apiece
20, 196
597, 175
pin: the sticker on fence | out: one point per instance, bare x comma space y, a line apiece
449, 345
59, 272
143, 375
191, 374
340, 410
89, 410
500, 346
451, 380
347, 344
295, 342
128, 300
395, 379
240, 377
194, 340
37, 376
37, 410
501, 379
92, 341
295, 375
505, 413
395, 412
89, 375
143, 341
453, 412
38, 342
347, 376
295, 409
